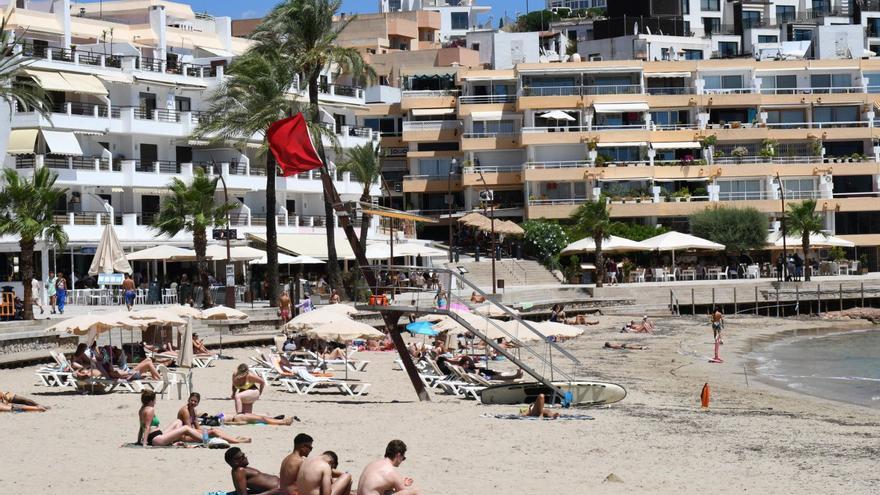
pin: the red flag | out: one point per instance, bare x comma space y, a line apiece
291, 143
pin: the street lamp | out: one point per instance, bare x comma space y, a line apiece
230, 288
781, 189
487, 197
452, 170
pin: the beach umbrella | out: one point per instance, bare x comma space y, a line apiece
507, 227
520, 332
315, 317
492, 310
162, 252
557, 115
475, 219
186, 347
286, 259
96, 324
109, 256
613, 244
422, 328
184, 311
223, 313
158, 316
676, 241
342, 331
345, 309
217, 252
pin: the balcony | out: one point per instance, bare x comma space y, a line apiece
489, 141
341, 92
489, 176
431, 183
431, 130
626, 89
443, 98
486, 99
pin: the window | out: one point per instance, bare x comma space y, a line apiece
393, 5
826, 83
802, 35
493, 127
822, 6
670, 117
459, 20
836, 114
873, 28
710, 5
785, 117
751, 18
767, 38
475, 47
693, 54
685, 7
438, 167
572, 36
799, 188
856, 223
728, 48
784, 13
873, 82
712, 25
780, 85
724, 82
733, 190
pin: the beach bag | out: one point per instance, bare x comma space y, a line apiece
210, 420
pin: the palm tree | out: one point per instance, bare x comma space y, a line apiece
15, 86
802, 219
191, 208
26, 208
305, 34
594, 220
363, 162
256, 94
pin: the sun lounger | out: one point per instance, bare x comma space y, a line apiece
204, 361
59, 375
305, 382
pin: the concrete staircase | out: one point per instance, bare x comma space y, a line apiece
515, 273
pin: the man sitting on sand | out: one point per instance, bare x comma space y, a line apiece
381, 477
318, 476
248, 480
646, 326
290, 466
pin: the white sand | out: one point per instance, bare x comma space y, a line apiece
754, 439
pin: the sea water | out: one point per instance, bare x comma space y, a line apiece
837, 366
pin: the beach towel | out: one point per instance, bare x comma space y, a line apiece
562, 417
178, 445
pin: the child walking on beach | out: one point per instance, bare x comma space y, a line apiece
717, 324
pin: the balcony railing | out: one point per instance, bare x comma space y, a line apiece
728, 91
428, 93
819, 125
628, 89
479, 99
491, 169
571, 128
559, 164
556, 202
489, 135
663, 91
733, 160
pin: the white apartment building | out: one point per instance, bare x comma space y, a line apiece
129, 82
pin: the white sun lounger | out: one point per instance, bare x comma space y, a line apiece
305, 382
59, 375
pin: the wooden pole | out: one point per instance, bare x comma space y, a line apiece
818, 299
863, 293
734, 301
391, 318
797, 300
713, 298
756, 300
840, 296
777, 302
693, 303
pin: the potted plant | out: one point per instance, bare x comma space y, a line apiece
687, 160
856, 157
600, 161
837, 253
701, 192
682, 194
739, 152
708, 141
815, 146
863, 264
592, 143
717, 154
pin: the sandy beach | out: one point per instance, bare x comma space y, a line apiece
755, 438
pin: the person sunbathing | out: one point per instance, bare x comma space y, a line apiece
475, 298
468, 364
302, 447
10, 402
646, 326
114, 366
83, 365
318, 476
190, 417
381, 477
149, 432
246, 390
580, 320
538, 410
635, 347
248, 480
199, 348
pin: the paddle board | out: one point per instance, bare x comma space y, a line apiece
584, 393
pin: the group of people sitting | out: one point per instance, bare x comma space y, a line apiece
320, 475
186, 428
557, 315
110, 362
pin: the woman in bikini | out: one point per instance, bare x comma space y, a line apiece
149, 432
10, 402
246, 389
190, 417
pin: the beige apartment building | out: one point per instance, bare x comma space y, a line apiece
660, 140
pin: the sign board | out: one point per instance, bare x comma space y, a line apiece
110, 278
398, 152
500, 283
88, 250
223, 234
230, 275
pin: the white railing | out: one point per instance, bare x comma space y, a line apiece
489, 169
554, 202
572, 128
610, 89
490, 135
820, 125
559, 164
428, 93
744, 196
869, 194
728, 91
674, 127
725, 160
619, 127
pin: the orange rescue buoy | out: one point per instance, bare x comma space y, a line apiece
704, 396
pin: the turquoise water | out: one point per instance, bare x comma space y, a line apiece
838, 366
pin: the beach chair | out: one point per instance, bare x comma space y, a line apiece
204, 361
474, 384
304, 383
59, 375
170, 379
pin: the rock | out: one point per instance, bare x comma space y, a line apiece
613, 478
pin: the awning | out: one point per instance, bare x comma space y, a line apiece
215, 51
168, 81
667, 75
683, 179
620, 107
22, 141
625, 179
617, 145
422, 112
313, 245
488, 115
86, 84
430, 71
675, 145
50, 81
116, 78
62, 143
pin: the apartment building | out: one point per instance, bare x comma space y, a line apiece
457, 17
660, 140
129, 82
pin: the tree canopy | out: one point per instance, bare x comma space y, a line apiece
739, 229
543, 240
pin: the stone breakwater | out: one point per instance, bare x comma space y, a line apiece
870, 314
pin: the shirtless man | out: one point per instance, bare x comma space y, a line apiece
381, 477
334, 297
284, 307
717, 325
318, 476
129, 292
302, 445
248, 480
